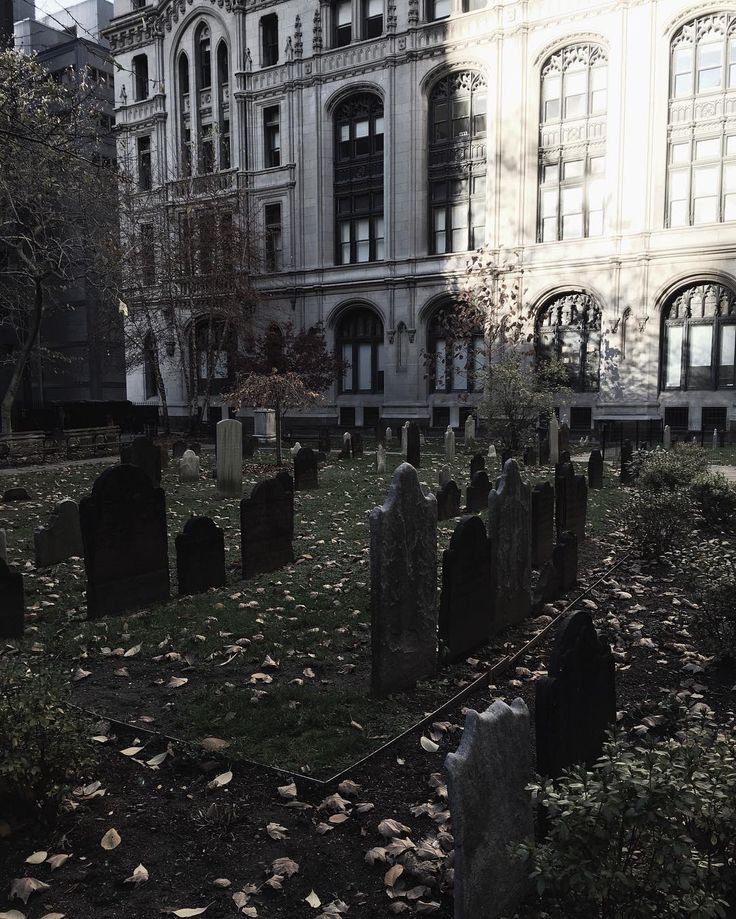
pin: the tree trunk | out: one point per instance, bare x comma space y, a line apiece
13, 386
161, 393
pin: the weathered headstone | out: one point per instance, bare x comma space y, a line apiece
666, 439
449, 443
470, 433
559, 574
492, 455
444, 475
544, 450
554, 439
356, 444
626, 475
529, 456
403, 585
267, 526
347, 447
543, 523
295, 449
564, 436
380, 458
144, 453
178, 448
466, 610
306, 469
324, 444
509, 527
413, 447
389, 436
189, 467
477, 462
476, 494
126, 558
491, 810
571, 501
404, 438
448, 501
576, 702
506, 455
61, 538
595, 470
715, 438
11, 602
200, 556
229, 457
250, 445
15, 494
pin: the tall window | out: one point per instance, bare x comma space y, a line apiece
569, 329
269, 40
360, 347
456, 355
342, 19
148, 254
185, 115
145, 175
438, 9
359, 180
372, 18
272, 135
206, 150
274, 240
140, 77
457, 163
699, 340
223, 91
572, 143
213, 355
701, 186
204, 57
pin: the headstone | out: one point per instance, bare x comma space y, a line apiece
470, 433
178, 448
559, 574
477, 463
413, 447
529, 456
3, 545
666, 439
267, 526
356, 443
144, 453
554, 439
306, 469
571, 501
715, 438
448, 501
506, 455
11, 602
229, 457
509, 527
449, 443
126, 553
380, 458
544, 450
476, 494
347, 448
324, 444
466, 611
564, 436
626, 475
15, 494
491, 810
264, 424
250, 445
404, 436
492, 455
595, 470
576, 702
389, 436
403, 552
295, 449
189, 467
61, 538
564, 460
200, 556
543, 523
444, 476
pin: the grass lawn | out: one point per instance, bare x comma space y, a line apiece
277, 666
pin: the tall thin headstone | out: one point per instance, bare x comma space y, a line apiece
543, 523
564, 436
267, 526
666, 438
404, 438
200, 556
389, 436
357, 444
403, 553
413, 445
466, 610
470, 433
492, 455
61, 538
715, 438
595, 470
229, 457
444, 475
11, 602
347, 446
509, 527
554, 440
449, 443
380, 458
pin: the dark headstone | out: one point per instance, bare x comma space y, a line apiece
543, 523
477, 463
466, 604
61, 538
413, 445
476, 494
125, 544
11, 602
576, 702
564, 437
529, 457
448, 501
250, 445
346, 451
565, 460
571, 501
626, 476
16, 494
506, 455
200, 556
144, 454
559, 574
509, 528
305, 469
595, 470
543, 450
267, 526
323, 440
178, 448
357, 444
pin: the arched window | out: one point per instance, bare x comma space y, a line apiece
457, 163
204, 63
699, 338
185, 115
360, 348
213, 355
140, 77
456, 355
359, 180
274, 347
569, 329
223, 92
701, 186
572, 143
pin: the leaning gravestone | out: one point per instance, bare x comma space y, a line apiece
595, 470
146, 455
470, 433
305, 469
123, 524
229, 457
491, 810
403, 552
448, 501
347, 447
267, 526
11, 602
554, 440
466, 610
449, 443
15, 494
477, 463
200, 556
576, 702
509, 527
61, 538
189, 467
626, 475
250, 445
543, 523
413, 446
357, 444
380, 458
476, 494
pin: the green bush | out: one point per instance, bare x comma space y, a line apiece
648, 833
44, 745
714, 497
656, 521
710, 572
668, 470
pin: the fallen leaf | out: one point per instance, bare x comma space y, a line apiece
22, 888
188, 913
111, 840
276, 831
12, 914
284, 866
392, 875
139, 876
80, 674
176, 681
49, 916
131, 652
214, 743
287, 791
131, 751
56, 861
221, 882
429, 745
220, 780
313, 900
157, 760
37, 858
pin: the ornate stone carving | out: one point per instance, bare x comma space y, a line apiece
317, 30
298, 42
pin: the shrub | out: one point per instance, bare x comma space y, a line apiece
656, 521
45, 746
660, 470
710, 570
715, 498
648, 832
